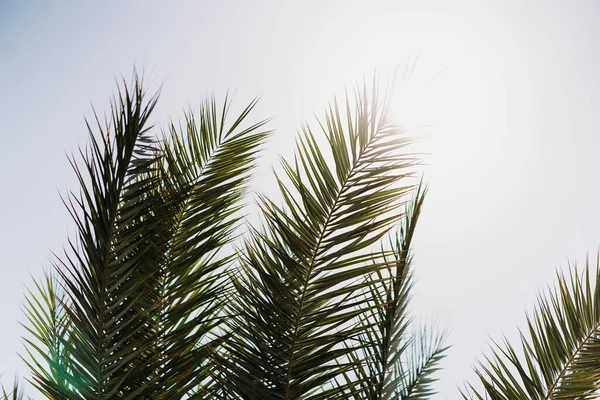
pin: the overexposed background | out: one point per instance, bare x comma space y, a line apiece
505, 96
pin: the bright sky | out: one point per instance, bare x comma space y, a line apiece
510, 125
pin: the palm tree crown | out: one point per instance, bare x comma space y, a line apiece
154, 300
167, 292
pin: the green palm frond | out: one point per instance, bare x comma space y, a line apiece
48, 328
205, 169
303, 274
560, 353
420, 363
107, 274
391, 363
375, 373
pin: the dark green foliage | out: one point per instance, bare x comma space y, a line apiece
153, 300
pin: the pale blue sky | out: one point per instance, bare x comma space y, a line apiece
511, 126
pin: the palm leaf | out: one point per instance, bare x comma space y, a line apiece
559, 355
108, 273
48, 328
205, 169
302, 276
390, 363
421, 362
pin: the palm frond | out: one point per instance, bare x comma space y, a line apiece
421, 362
558, 358
204, 173
381, 367
107, 274
303, 273
48, 328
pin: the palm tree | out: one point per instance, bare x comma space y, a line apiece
559, 353
163, 295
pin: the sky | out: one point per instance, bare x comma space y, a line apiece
504, 98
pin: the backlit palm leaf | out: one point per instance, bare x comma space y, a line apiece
560, 352
49, 328
108, 274
302, 279
390, 362
206, 166
418, 365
